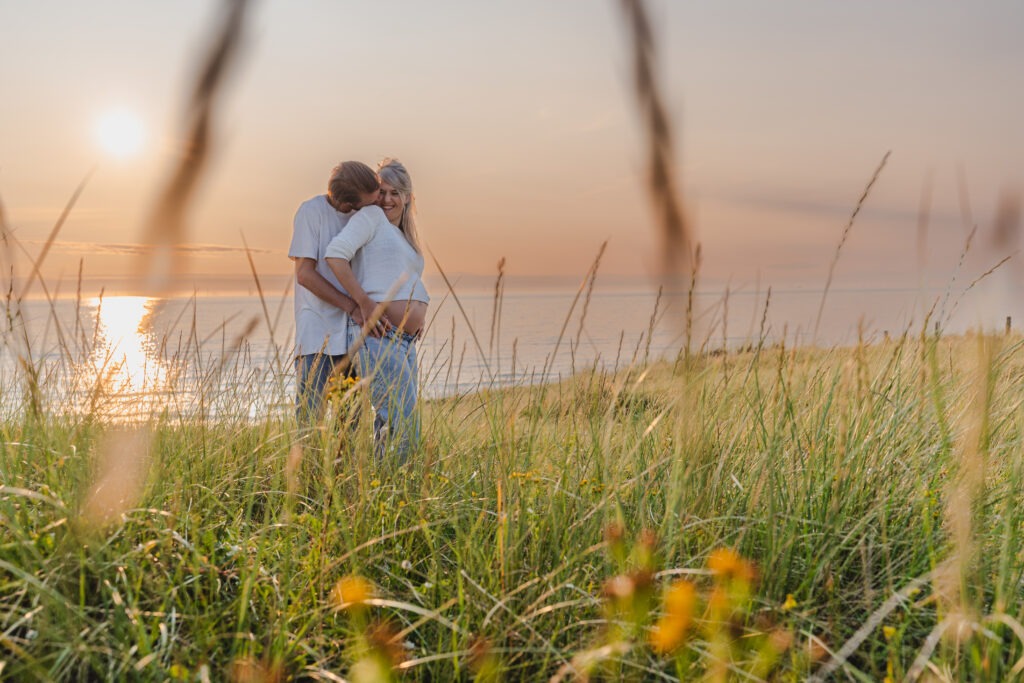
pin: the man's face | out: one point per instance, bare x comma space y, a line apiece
367, 198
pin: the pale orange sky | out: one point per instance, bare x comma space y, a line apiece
516, 121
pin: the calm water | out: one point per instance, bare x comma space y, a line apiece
226, 355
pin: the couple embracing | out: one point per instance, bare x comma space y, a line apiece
359, 284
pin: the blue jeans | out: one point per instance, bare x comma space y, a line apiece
313, 371
390, 363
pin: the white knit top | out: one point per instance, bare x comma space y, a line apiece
380, 257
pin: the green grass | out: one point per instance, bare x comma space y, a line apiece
833, 472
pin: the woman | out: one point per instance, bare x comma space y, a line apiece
377, 259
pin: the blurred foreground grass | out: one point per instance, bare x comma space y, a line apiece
737, 516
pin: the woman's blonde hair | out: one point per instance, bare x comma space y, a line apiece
394, 173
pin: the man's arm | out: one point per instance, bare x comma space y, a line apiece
307, 276
366, 306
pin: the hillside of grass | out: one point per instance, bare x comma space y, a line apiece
766, 515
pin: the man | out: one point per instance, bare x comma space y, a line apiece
322, 307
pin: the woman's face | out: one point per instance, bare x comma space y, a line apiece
392, 201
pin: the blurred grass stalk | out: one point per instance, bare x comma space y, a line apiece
123, 464
674, 230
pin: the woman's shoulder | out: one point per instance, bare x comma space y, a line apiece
372, 212
366, 221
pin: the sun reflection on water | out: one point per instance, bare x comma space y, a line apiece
125, 357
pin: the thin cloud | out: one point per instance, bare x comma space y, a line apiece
33, 214
804, 266
600, 122
824, 208
130, 249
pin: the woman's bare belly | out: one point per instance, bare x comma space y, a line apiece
408, 316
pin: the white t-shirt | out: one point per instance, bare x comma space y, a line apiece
383, 261
319, 326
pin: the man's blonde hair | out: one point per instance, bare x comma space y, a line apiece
349, 181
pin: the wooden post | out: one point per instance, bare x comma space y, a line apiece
1009, 324
936, 328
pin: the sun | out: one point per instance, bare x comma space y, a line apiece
120, 133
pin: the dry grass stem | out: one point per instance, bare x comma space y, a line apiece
37, 262
591, 273
465, 317
843, 238
499, 292
900, 597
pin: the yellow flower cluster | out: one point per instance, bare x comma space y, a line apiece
717, 613
338, 385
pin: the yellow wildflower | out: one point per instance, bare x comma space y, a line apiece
667, 635
888, 632
670, 631
680, 598
727, 563
790, 603
351, 591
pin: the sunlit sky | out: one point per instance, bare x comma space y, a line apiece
517, 121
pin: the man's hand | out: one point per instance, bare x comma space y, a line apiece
368, 310
307, 275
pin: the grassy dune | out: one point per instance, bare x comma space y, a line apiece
759, 515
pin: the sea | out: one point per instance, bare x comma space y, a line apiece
233, 355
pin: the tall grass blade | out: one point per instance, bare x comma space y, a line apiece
37, 262
842, 242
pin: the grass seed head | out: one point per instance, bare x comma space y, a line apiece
615, 537
249, 670
619, 588
483, 660
386, 643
